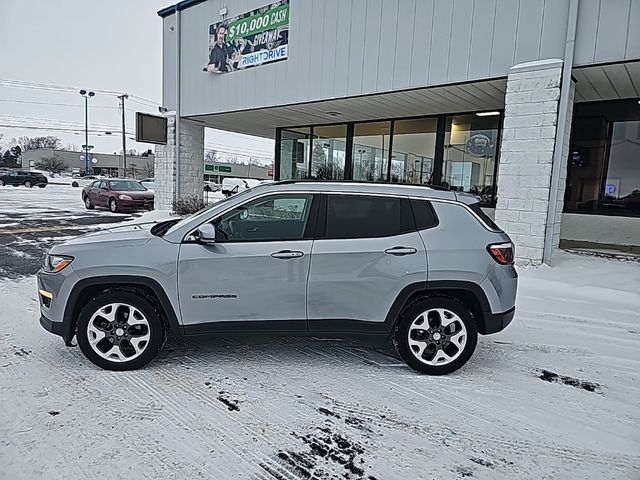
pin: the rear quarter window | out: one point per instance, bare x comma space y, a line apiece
423, 213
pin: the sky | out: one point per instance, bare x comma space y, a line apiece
106, 46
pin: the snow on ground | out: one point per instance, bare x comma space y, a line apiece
294, 408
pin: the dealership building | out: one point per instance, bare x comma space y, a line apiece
533, 105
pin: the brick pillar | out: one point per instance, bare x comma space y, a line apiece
526, 157
191, 164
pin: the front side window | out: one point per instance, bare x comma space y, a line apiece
95, 184
276, 217
360, 216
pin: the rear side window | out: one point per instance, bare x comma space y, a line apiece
483, 216
361, 216
423, 214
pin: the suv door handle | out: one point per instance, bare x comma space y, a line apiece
398, 251
287, 254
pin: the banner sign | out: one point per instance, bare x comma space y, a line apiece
251, 39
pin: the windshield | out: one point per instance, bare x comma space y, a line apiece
127, 186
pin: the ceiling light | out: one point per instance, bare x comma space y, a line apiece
333, 114
487, 114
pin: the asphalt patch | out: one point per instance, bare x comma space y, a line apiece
552, 377
231, 404
329, 455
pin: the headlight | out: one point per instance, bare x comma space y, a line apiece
124, 197
56, 263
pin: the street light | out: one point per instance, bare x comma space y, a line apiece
87, 95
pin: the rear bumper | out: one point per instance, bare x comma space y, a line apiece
495, 322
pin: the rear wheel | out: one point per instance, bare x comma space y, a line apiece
436, 335
120, 330
74, 184
2, 184
28, 184
87, 203
42, 185
113, 205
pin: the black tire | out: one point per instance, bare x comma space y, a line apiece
42, 185
28, 184
2, 184
156, 329
401, 334
113, 205
75, 184
87, 203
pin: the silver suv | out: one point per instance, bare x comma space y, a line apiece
424, 266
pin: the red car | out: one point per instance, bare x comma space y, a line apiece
117, 195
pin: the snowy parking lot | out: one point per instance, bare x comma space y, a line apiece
553, 396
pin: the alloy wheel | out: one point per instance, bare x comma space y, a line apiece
28, 184
437, 336
113, 205
118, 332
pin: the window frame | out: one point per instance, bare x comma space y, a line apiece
308, 230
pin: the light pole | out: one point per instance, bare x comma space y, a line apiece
87, 95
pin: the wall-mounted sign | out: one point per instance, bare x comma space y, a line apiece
479, 145
251, 39
217, 168
151, 128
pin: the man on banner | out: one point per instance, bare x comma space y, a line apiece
221, 53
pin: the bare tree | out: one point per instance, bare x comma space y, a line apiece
54, 165
148, 169
33, 143
211, 156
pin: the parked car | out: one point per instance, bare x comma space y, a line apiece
314, 257
23, 177
211, 186
231, 186
149, 183
86, 180
117, 195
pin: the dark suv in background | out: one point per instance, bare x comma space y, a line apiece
21, 177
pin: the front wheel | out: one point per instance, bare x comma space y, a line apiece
113, 205
436, 335
75, 184
87, 203
120, 330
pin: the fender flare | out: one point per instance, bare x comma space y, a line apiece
69, 321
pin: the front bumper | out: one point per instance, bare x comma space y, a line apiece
495, 322
52, 310
135, 204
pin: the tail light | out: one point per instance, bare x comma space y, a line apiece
503, 253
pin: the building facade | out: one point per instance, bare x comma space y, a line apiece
101, 163
532, 105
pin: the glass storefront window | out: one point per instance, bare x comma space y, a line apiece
414, 146
604, 159
371, 151
470, 146
328, 154
457, 152
294, 153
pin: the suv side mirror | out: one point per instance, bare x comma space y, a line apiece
206, 234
